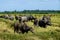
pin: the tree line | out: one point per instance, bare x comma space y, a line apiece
32, 11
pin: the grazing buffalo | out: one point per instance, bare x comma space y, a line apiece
46, 20
31, 17
10, 17
24, 18
16, 27
1, 16
22, 27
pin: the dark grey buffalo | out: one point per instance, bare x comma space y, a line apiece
31, 17
1, 16
46, 20
22, 27
24, 18
41, 23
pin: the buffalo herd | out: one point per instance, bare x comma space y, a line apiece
10, 17
21, 26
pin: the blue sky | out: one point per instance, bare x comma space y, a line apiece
19, 5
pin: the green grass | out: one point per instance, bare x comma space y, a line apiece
54, 35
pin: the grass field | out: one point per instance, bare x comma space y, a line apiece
49, 33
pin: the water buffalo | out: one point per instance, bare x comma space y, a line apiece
25, 18
31, 17
22, 27
6, 16
11, 18
41, 23
16, 27
46, 20
1, 16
